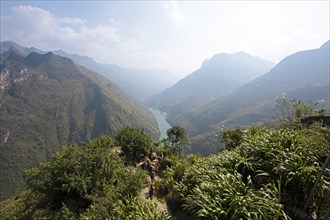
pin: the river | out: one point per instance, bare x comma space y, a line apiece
163, 125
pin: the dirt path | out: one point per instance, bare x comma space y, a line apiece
151, 164
160, 206
144, 194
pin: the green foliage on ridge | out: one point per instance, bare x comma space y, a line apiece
267, 175
232, 138
177, 136
135, 143
83, 182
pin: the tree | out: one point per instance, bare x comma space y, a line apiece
232, 138
134, 143
290, 112
178, 138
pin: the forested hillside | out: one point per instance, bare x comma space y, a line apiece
48, 101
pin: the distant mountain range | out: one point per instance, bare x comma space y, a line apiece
7, 45
138, 83
46, 101
304, 76
217, 77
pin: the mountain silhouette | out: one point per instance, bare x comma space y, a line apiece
217, 77
254, 102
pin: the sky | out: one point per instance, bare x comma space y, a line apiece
173, 35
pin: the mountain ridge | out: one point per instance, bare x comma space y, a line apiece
138, 83
215, 78
48, 101
254, 102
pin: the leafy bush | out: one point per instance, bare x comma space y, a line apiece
232, 138
269, 172
134, 143
175, 168
285, 156
228, 197
11, 209
214, 189
177, 136
126, 208
78, 177
134, 208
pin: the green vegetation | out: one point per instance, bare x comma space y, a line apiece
290, 112
178, 138
232, 138
135, 143
263, 174
268, 176
82, 182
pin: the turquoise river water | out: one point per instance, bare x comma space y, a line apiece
163, 125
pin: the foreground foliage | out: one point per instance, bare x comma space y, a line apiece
267, 175
178, 138
82, 182
264, 174
134, 143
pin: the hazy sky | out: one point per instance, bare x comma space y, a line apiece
174, 35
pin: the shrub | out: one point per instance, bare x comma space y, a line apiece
77, 177
134, 143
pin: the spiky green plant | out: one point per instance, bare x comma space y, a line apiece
269, 169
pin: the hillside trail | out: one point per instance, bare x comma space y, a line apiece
160, 205
148, 192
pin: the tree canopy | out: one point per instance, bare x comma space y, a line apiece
178, 138
232, 138
134, 143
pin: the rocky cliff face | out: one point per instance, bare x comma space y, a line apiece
11, 74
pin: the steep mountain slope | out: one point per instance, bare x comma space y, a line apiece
13, 54
6, 45
138, 83
303, 75
217, 77
48, 101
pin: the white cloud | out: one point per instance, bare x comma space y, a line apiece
37, 27
101, 34
175, 13
71, 21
